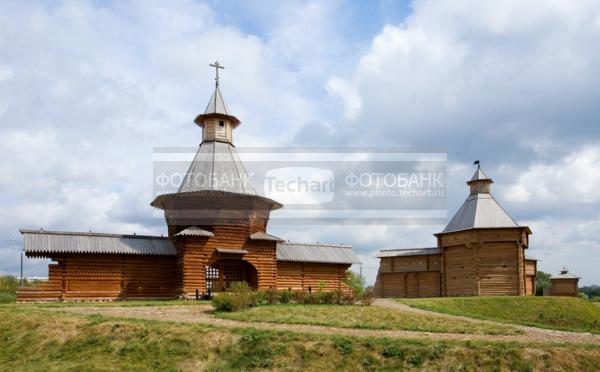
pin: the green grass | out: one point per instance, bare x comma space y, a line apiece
36, 339
366, 317
562, 313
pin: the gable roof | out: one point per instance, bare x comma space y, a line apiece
41, 241
318, 253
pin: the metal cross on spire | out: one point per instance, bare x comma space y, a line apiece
217, 66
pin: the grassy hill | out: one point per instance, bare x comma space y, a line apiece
563, 313
364, 317
35, 338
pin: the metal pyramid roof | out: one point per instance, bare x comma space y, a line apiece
480, 210
217, 167
479, 175
565, 274
217, 104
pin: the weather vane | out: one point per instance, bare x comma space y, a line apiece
217, 66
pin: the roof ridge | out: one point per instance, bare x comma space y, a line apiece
89, 233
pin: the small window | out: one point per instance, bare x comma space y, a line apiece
221, 123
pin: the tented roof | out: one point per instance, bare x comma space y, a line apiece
217, 167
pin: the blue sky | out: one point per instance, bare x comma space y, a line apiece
87, 89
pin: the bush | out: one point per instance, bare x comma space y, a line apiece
327, 298
271, 296
6, 298
348, 298
285, 296
311, 298
225, 302
8, 283
367, 297
239, 296
298, 296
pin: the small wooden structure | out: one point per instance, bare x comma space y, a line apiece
480, 252
564, 284
217, 234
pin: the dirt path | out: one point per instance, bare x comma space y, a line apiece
201, 314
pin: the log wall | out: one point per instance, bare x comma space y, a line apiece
311, 276
105, 277
196, 253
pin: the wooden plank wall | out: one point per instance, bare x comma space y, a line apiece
409, 276
459, 272
530, 272
499, 269
304, 275
564, 287
485, 262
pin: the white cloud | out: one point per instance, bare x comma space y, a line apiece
573, 179
570, 242
340, 88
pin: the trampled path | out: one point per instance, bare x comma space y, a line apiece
200, 314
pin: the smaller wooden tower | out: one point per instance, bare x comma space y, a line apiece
564, 284
483, 248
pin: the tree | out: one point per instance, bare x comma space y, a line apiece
542, 280
355, 282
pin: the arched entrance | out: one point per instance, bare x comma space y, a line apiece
221, 273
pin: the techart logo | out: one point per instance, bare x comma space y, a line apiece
300, 185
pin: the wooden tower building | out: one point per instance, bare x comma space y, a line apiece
480, 252
564, 284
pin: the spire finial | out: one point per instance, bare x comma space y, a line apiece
476, 162
217, 66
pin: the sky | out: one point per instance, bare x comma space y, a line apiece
89, 88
